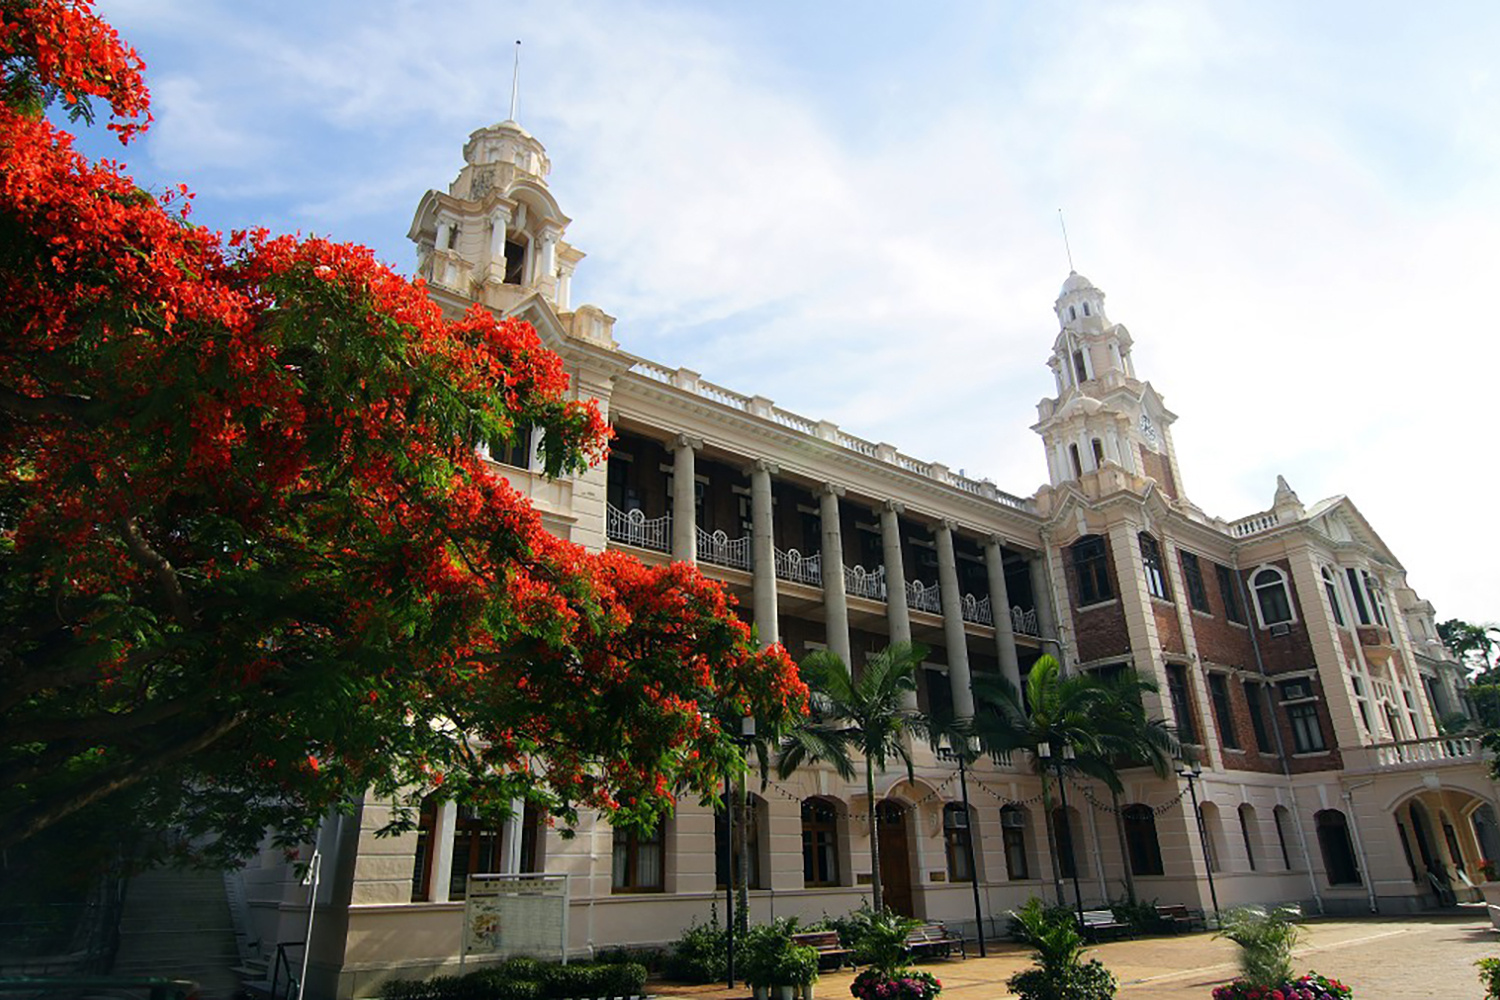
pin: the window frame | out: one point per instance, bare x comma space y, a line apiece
957, 841
1218, 697
1259, 591
1257, 701
1180, 694
829, 828
1302, 716
1139, 821
1192, 582
1330, 585
632, 840
1090, 557
1154, 568
1229, 594
1013, 837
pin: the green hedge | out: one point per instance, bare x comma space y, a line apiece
526, 979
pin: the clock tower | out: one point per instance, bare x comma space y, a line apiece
1105, 429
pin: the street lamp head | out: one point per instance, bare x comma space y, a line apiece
747, 727
1044, 750
1068, 753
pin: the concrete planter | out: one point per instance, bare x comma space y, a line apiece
1491, 892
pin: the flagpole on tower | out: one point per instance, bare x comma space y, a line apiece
1060, 221
515, 81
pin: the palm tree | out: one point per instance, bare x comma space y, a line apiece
1053, 711
863, 715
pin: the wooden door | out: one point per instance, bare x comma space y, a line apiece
895, 861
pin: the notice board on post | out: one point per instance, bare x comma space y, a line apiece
507, 915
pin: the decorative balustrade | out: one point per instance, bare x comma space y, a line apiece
977, 610
860, 582
798, 568
1435, 750
634, 528
1023, 622
865, 448
923, 597
654, 371
796, 422
1254, 524
721, 550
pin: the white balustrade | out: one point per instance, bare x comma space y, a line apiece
721, 550
654, 371
923, 597
866, 448
796, 422
977, 610
1023, 622
860, 582
793, 565
634, 528
1436, 750
1254, 524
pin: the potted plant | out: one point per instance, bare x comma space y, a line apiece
882, 947
796, 970
771, 959
1059, 974
1266, 939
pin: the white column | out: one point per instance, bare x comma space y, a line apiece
547, 261
953, 622
763, 552
565, 287
1041, 595
511, 838
897, 614
444, 233
1005, 635
684, 507
442, 852
835, 601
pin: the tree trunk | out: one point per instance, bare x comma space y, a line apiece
1114, 800
1057, 879
874, 838
737, 836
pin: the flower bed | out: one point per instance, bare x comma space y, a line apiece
1309, 987
903, 984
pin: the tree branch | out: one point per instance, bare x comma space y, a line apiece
75, 407
101, 726
166, 575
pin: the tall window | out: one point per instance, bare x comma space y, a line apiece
1359, 597
1338, 849
515, 262
1247, 825
1218, 691
1208, 822
1307, 733
1013, 836
1271, 596
1092, 567
820, 845
1331, 586
1182, 704
747, 856
1192, 578
956, 837
421, 869
1279, 814
1062, 832
1098, 453
476, 850
1255, 700
637, 860
1156, 578
1140, 839
1229, 593
517, 451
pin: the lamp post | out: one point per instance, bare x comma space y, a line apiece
744, 739
969, 747
1192, 771
1065, 757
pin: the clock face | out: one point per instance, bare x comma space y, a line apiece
1148, 429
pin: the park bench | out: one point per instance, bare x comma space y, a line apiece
1100, 925
932, 939
827, 945
1178, 918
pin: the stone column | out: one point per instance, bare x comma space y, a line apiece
897, 615
511, 837
547, 260
499, 221
442, 852
684, 509
444, 233
953, 622
1005, 635
565, 287
1041, 593
763, 552
835, 602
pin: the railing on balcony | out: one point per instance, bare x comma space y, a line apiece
860, 582
798, 568
1254, 524
634, 528
1435, 750
923, 597
977, 610
1023, 622
718, 548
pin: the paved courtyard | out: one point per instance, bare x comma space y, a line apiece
1428, 957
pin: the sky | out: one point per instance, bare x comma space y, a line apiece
852, 208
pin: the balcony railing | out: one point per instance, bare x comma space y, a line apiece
977, 610
718, 548
1023, 622
1435, 750
860, 582
923, 597
634, 528
798, 568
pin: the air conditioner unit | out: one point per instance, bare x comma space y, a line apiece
956, 819
1012, 819
1281, 628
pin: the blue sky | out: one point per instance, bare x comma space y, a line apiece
851, 208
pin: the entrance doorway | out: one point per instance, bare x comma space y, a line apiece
895, 862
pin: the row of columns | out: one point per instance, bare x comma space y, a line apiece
835, 597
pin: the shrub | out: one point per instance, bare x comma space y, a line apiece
851, 926
1139, 916
882, 941
905, 984
592, 980
701, 955
765, 954
1489, 977
526, 979
1086, 981
1059, 974
1055, 913
1266, 939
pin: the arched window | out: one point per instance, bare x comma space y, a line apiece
1208, 819
1333, 595
1080, 366
421, 869
1283, 819
747, 854
1072, 312
1098, 453
1271, 597
1077, 462
638, 857
1338, 849
1013, 836
820, 843
1092, 569
1062, 833
1249, 833
957, 837
1156, 577
1140, 839
1085, 308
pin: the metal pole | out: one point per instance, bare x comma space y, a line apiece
729, 880
1062, 788
963, 784
314, 870
1208, 867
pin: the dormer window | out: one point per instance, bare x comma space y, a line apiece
1085, 308
515, 262
1072, 312
1079, 368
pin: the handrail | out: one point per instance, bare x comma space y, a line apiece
276, 967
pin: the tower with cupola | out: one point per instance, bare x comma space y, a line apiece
1105, 429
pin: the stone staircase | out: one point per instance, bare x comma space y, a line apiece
178, 924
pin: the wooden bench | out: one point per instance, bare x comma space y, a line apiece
1099, 925
1179, 918
934, 938
826, 944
